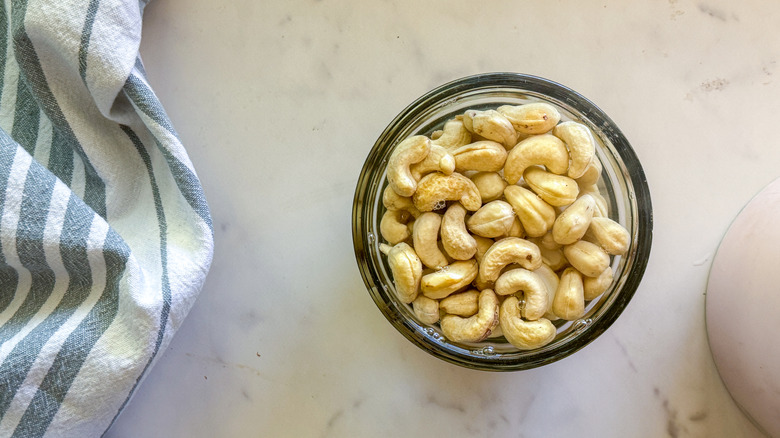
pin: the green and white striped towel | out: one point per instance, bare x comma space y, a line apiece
105, 234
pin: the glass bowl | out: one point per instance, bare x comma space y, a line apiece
622, 183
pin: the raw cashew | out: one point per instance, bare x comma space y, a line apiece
572, 224
548, 241
412, 150
533, 288
587, 258
492, 220
449, 279
393, 226
438, 160
547, 150
554, 258
504, 252
455, 238
536, 215
425, 237
410, 226
610, 235
426, 309
491, 125
407, 271
385, 248
462, 304
531, 118
486, 156
569, 302
436, 188
485, 213
595, 286
602, 208
581, 145
551, 280
490, 185
477, 327
516, 230
453, 135
525, 335
393, 201
556, 190
591, 175
483, 244
496, 332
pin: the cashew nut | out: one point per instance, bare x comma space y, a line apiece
551, 280
548, 241
587, 258
474, 328
490, 185
462, 303
535, 214
436, 188
547, 150
486, 156
554, 258
569, 301
516, 230
437, 160
393, 226
602, 207
610, 235
455, 238
491, 191
425, 237
531, 118
449, 279
453, 135
407, 271
426, 309
393, 201
483, 244
595, 286
412, 150
591, 175
525, 335
533, 288
492, 220
572, 224
496, 332
491, 125
556, 190
581, 145
504, 252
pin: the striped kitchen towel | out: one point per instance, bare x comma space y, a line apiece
105, 234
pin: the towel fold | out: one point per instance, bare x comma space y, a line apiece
105, 234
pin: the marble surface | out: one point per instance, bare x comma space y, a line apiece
278, 104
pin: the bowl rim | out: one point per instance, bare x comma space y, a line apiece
637, 182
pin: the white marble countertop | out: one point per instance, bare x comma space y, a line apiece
278, 104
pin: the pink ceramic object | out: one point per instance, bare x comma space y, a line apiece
743, 309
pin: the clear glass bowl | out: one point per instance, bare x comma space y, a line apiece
623, 184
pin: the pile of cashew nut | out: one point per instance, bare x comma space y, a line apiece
495, 225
